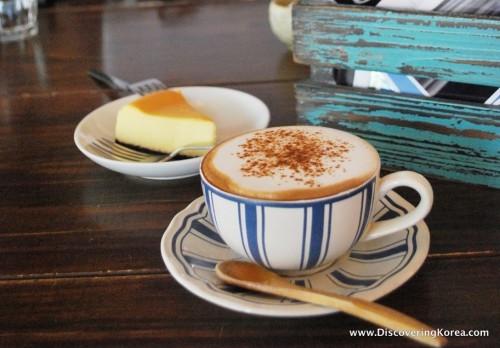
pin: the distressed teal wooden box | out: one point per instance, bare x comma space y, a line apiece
443, 138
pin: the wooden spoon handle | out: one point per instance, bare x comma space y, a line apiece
372, 312
254, 277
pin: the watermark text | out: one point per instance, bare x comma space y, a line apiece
419, 333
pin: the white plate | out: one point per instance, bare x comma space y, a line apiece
191, 247
233, 111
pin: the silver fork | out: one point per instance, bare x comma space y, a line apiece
142, 87
112, 150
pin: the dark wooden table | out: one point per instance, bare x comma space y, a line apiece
80, 260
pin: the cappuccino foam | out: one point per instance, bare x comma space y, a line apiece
290, 163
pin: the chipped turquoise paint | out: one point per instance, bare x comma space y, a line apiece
400, 43
452, 116
407, 153
426, 106
317, 116
459, 141
468, 145
416, 136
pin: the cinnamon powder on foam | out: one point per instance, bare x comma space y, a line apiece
292, 154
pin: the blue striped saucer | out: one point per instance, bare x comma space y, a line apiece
191, 247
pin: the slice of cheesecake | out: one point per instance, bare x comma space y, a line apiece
162, 122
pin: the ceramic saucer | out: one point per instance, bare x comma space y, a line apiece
191, 247
233, 111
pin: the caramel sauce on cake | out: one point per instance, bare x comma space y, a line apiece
162, 122
289, 163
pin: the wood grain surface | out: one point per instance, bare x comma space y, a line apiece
80, 261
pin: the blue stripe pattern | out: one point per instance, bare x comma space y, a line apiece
200, 262
351, 281
366, 212
317, 221
316, 240
251, 232
404, 250
195, 258
378, 255
207, 231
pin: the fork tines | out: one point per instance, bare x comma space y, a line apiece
147, 86
115, 150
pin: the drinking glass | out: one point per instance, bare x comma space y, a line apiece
18, 19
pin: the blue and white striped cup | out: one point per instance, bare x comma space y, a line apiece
306, 234
298, 234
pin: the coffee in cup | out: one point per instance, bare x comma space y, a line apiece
297, 198
291, 163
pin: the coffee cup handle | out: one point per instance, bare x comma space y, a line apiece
408, 179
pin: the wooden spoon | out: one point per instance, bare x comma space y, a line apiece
254, 277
